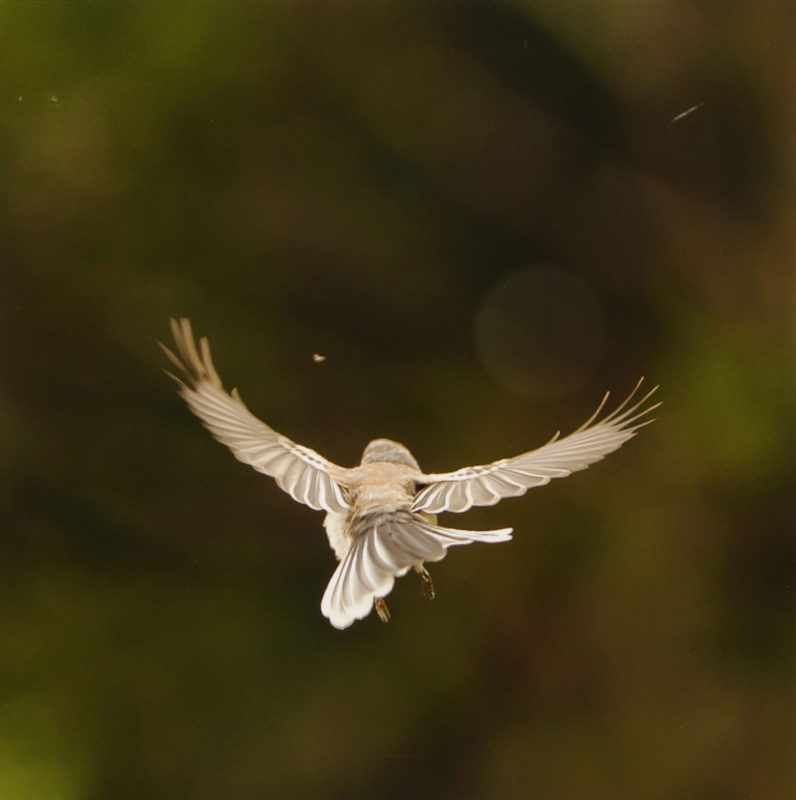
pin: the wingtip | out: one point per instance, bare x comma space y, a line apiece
196, 362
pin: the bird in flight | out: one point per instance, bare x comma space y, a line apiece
381, 515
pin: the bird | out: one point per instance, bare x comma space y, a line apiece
381, 516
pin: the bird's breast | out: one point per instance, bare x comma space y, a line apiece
337, 531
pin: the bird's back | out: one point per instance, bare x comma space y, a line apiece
382, 486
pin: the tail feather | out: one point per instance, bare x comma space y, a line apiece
385, 547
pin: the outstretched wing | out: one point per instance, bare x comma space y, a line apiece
511, 477
304, 474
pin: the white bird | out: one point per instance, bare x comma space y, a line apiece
381, 515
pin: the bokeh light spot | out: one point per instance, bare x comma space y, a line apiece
540, 332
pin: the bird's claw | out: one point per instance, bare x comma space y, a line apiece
427, 584
381, 609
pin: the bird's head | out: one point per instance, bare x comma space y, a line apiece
388, 450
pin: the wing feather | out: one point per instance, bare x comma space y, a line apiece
487, 484
304, 474
385, 550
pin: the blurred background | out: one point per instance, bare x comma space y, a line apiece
483, 215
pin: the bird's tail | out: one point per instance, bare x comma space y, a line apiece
386, 545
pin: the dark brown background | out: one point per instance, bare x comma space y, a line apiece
483, 215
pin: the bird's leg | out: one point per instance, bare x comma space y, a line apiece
381, 609
427, 583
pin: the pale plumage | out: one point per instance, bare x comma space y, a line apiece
380, 515
512, 477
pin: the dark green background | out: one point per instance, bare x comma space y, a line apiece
357, 180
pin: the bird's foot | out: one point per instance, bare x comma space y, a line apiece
427, 584
381, 609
